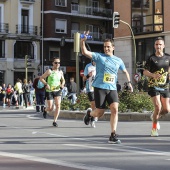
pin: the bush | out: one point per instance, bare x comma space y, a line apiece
135, 102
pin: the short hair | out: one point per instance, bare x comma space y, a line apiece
109, 40
159, 38
54, 58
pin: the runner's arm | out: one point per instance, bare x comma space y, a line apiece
128, 79
84, 49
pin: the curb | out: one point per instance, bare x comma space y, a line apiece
79, 115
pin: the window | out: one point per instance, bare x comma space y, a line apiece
61, 3
147, 16
60, 26
2, 49
54, 53
22, 48
25, 21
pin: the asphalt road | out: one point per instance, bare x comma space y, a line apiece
29, 142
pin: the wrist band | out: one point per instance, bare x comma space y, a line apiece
87, 76
129, 82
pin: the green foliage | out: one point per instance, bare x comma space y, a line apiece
135, 102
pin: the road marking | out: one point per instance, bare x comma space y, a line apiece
54, 162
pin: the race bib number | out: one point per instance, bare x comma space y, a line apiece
109, 78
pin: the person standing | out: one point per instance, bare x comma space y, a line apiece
107, 66
157, 69
89, 75
32, 92
72, 90
39, 95
54, 84
4, 94
19, 92
26, 92
9, 93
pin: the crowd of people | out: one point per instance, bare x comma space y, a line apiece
101, 86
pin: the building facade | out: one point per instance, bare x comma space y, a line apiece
62, 19
148, 20
20, 22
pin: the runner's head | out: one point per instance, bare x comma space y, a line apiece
56, 63
108, 47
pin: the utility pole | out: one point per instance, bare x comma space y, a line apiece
77, 50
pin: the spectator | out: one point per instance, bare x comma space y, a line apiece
72, 90
64, 92
9, 93
26, 92
19, 92
32, 92
4, 94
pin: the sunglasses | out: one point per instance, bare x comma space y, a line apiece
56, 62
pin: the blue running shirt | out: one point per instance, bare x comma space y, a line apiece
106, 70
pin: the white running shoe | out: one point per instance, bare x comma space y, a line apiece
158, 124
154, 133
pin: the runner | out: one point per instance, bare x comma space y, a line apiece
54, 84
105, 90
157, 68
89, 75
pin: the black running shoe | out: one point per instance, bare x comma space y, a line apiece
55, 124
113, 139
44, 113
87, 117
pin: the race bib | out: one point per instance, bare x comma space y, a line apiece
55, 88
108, 78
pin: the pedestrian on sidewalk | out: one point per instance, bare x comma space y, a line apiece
26, 92
105, 90
157, 69
89, 76
54, 81
9, 93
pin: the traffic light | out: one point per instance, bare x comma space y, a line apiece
116, 18
27, 61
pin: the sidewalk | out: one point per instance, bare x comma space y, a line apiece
78, 115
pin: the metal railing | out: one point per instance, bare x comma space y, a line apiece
96, 36
27, 1
25, 29
4, 28
102, 12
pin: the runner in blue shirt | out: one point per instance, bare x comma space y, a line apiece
89, 75
107, 66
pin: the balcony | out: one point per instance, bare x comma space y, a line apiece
27, 1
86, 10
96, 36
25, 29
4, 28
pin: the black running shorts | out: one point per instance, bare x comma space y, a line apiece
102, 96
165, 94
52, 95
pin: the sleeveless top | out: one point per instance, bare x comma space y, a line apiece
53, 80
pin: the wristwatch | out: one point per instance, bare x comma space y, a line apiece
129, 82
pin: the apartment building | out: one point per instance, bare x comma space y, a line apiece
63, 18
19, 36
148, 19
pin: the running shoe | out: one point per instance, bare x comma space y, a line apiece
92, 122
87, 117
55, 124
154, 133
113, 139
158, 124
44, 113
